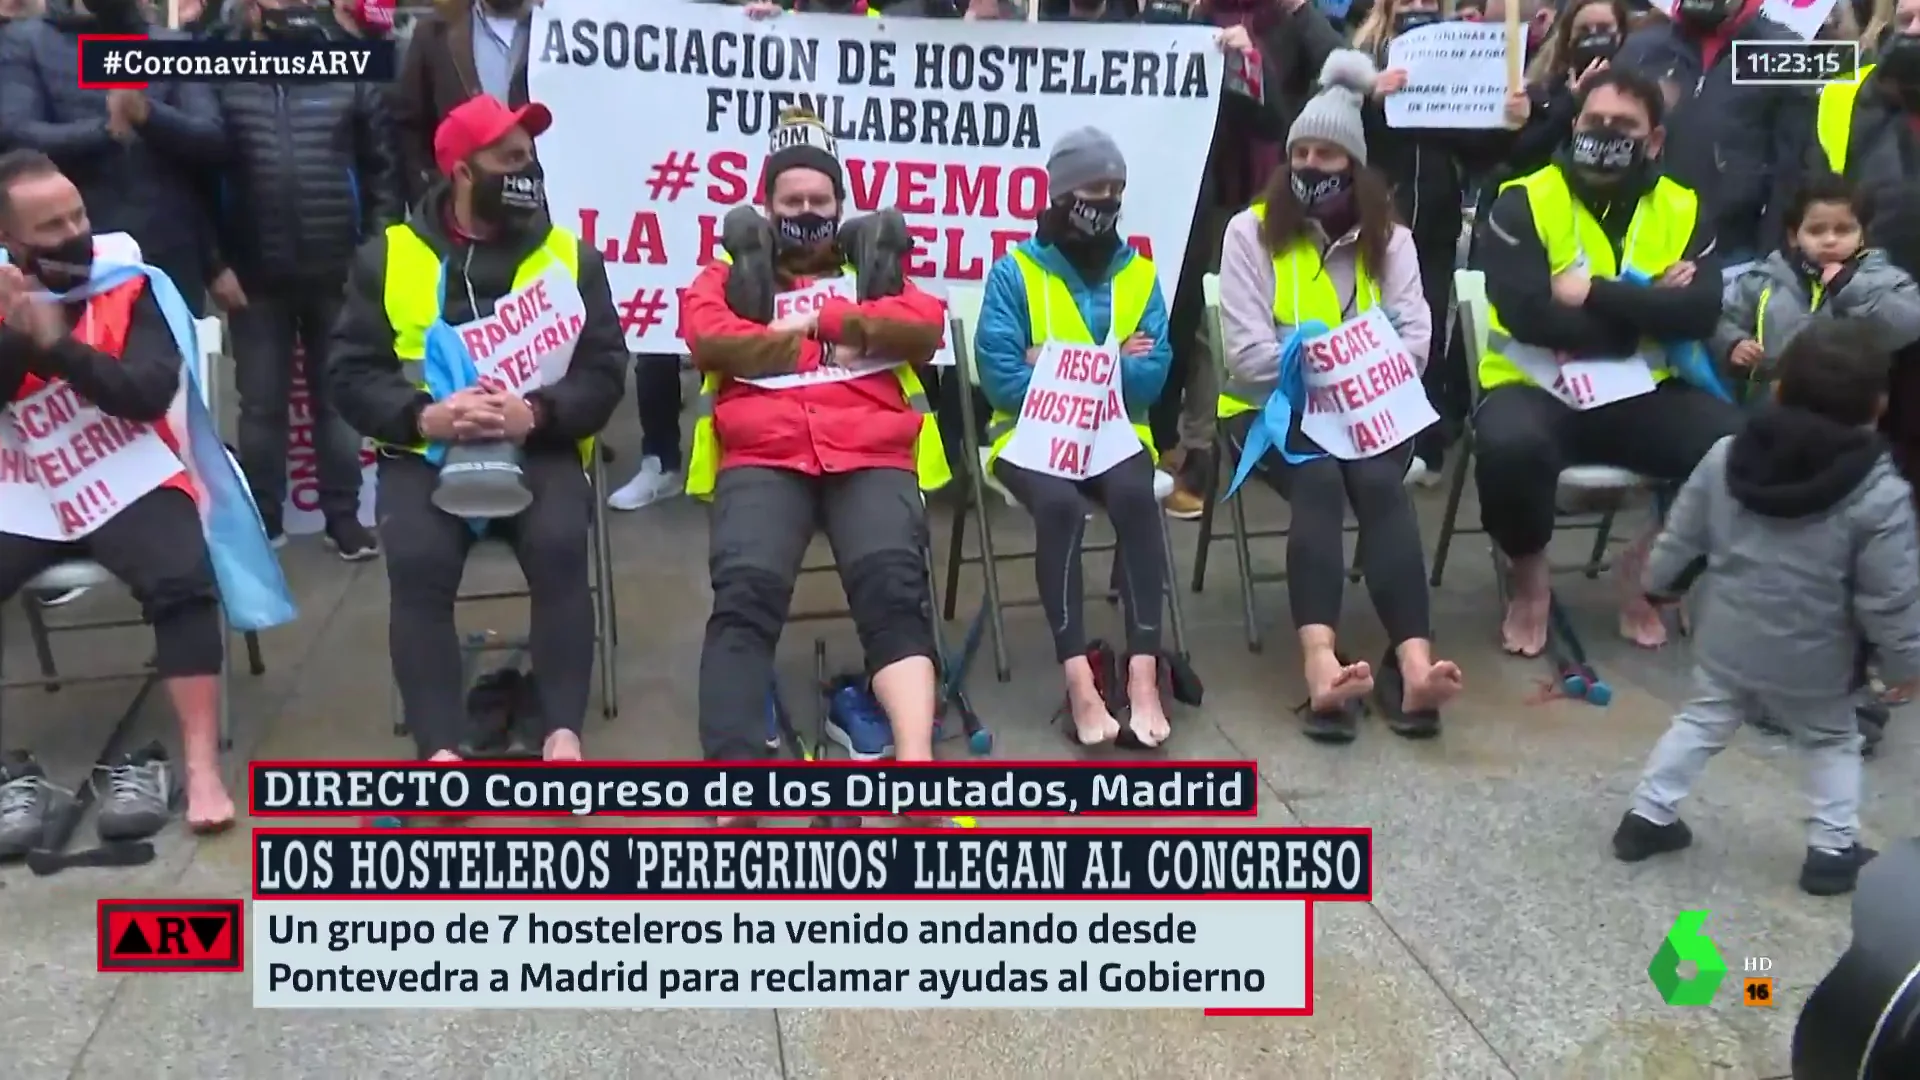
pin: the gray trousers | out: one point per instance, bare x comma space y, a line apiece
264, 334
1825, 731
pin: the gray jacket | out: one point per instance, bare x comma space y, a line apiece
1877, 290
1791, 605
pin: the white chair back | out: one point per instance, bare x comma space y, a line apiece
212, 336
1471, 314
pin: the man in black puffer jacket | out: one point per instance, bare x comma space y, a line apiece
314, 174
136, 156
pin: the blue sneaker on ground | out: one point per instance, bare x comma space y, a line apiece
856, 721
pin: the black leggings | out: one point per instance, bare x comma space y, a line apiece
656, 389
1391, 558
155, 547
426, 555
1059, 508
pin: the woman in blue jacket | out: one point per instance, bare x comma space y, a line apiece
1078, 282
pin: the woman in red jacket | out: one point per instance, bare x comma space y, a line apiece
807, 334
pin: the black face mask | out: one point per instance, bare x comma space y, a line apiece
1704, 14
1414, 20
295, 24
1604, 156
803, 231
1588, 48
509, 201
66, 265
1092, 217
1900, 61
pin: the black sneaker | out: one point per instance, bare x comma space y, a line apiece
137, 794
354, 541
28, 801
1638, 839
1831, 872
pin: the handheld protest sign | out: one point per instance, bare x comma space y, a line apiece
1516, 47
1072, 422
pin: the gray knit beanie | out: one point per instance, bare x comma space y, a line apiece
1334, 113
1081, 159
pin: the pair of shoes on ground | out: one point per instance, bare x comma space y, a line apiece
1826, 871
653, 483
349, 539
138, 794
1341, 724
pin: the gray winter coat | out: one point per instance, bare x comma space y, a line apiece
1790, 605
1878, 290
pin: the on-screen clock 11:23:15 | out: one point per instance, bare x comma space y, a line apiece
1795, 63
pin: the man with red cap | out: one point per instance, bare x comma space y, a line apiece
551, 365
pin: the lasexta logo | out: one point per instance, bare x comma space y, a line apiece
1686, 942
171, 935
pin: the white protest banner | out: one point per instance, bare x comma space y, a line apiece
301, 515
1803, 17
1584, 384
1456, 76
1364, 395
529, 339
66, 467
1072, 423
947, 121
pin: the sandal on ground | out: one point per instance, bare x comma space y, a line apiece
1340, 724
210, 828
1389, 695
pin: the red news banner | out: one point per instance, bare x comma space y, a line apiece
948, 122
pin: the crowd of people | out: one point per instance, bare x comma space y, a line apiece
1732, 263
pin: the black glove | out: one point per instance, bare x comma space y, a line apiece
748, 237
877, 246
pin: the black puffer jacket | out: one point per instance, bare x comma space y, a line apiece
314, 172
148, 186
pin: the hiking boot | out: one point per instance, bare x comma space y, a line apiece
1834, 872
856, 721
353, 541
28, 802
652, 484
137, 794
1638, 839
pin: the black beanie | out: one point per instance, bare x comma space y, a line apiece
801, 141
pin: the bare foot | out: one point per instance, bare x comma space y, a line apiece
561, 746
1092, 723
209, 807
1430, 688
1640, 623
1149, 717
1331, 684
1524, 630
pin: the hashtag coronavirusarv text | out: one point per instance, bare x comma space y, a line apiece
113, 62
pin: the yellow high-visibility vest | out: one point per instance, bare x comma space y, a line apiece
1048, 296
1302, 292
1656, 239
1833, 122
412, 299
929, 453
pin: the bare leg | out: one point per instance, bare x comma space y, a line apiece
909, 691
1640, 623
1093, 724
1330, 683
196, 700
1149, 720
1524, 631
1428, 683
562, 745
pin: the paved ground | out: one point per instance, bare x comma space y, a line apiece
1504, 941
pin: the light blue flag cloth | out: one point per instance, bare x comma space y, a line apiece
253, 590
1270, 428
449, 369
1688, 359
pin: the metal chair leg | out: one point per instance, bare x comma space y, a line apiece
996, 617
1207, 507
256, 665
1237, 518
956, 556
225, 706
1597, 557
1450, 517
1176, 618
42, 640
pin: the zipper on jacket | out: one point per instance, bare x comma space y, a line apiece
283, 131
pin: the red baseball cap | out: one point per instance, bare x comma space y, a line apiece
478, 123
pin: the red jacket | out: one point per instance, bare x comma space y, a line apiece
831, 428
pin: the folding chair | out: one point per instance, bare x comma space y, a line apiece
87, 574
963, 305
1588, 483
476, 646
1237, 511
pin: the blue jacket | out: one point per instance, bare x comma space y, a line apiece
1005, 333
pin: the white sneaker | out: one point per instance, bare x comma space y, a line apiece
648, 486
1418, 475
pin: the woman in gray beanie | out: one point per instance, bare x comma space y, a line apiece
1079, 282
1322, 246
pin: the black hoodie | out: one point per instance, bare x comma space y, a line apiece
364, 374
1791, 463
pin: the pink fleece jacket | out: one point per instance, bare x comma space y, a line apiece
1246, 301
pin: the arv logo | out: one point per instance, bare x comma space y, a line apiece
1685, 942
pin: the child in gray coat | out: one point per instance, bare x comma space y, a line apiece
1824, 272
1805, 535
